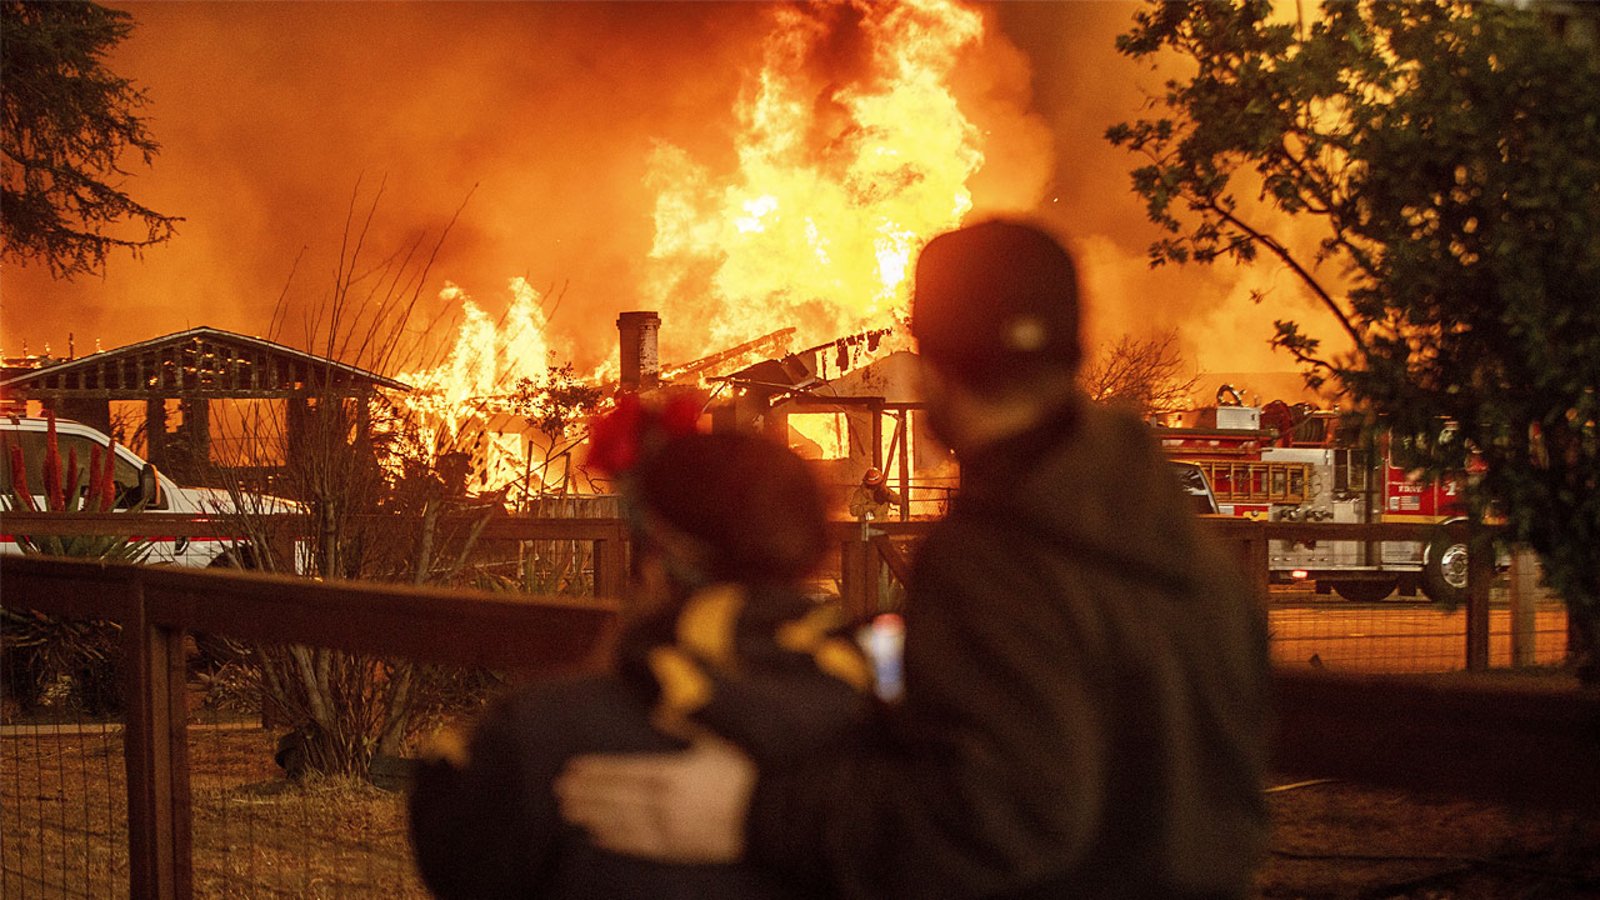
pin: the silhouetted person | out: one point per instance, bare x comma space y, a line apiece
730, 526
1085, 673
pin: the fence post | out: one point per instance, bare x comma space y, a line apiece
853, 578
1257, 562
610, 566
1523, 601
156, 751
1480, 577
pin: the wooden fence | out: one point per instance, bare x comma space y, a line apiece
1473, 737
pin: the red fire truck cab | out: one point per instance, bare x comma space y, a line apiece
1298, 464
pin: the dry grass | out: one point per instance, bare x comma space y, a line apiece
63, 813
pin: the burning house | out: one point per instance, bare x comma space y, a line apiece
181, 398
848, 404
850, 144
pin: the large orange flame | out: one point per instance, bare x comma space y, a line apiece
486, 358
851, 153
838, 182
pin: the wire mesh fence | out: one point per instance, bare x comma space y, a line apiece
1412, 635
258, 753
63, 795
273, 816
266, 724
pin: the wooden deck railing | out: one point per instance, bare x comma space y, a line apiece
157, 605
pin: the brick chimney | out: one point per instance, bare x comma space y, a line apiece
641, 361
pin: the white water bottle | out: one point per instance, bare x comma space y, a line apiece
884, 643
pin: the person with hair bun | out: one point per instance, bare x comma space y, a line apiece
727, 647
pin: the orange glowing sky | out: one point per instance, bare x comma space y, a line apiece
270, 114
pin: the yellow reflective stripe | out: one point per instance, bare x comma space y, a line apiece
685, 688
841, 660
706, 625
805, 634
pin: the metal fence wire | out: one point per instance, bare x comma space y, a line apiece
261, 747
290, 791
1411, 635
63, 781
169, 732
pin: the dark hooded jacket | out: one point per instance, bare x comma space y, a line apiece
1084, 711
761, 667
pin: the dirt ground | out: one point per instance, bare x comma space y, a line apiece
255, 835
1338, 840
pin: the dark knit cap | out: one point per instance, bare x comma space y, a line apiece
996, 301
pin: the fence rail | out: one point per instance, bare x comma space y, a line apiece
1465, 736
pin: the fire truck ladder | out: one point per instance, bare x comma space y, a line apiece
1257, 482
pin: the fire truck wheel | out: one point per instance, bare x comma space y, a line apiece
1444, 572
1365, 591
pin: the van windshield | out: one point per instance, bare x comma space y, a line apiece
124, 473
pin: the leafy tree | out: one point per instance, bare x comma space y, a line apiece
1450, 156
1144, 373
555, 405
67, 124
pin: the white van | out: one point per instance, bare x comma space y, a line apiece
136, 481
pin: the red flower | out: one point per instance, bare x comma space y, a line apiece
108, 478
54, 491
69, 491
631, 430
19, 479
614, 439
91, 500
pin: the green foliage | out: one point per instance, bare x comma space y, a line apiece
1450, 154
66, 124
52, 660
554, 405
558, 402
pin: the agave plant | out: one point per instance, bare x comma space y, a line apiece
64, 491
46, 655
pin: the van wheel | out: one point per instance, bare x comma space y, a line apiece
1365, 591
1444, 572
240, 557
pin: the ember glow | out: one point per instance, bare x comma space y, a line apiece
741, 162
757, 173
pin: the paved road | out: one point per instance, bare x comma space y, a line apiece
1397, 635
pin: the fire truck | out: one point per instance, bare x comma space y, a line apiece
1285, 463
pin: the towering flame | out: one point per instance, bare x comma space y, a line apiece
482, 365
852, 153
